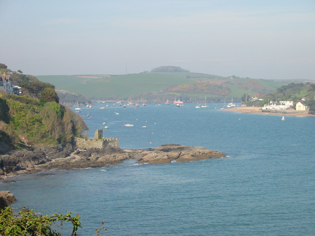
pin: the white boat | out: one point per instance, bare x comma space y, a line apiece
282, 118
197, 106
77, 109
104, 123
205, 106
179, 105
144, 126
129, 125
116, 113
106, 127
231, 104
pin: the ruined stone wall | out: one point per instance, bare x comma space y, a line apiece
96, 143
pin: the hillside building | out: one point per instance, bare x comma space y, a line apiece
6, 85
282, 105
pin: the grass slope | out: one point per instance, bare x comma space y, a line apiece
124, 86
120, 86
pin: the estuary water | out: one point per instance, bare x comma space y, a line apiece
265, 186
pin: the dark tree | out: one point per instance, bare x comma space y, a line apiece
49, 95
3, 66
34, 89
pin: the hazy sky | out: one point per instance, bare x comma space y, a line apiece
272, 39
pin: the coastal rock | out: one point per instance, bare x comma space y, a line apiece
179, 153
6, 199
46, 157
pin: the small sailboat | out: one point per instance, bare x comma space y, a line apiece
205, 106
282, 118
231, 104
167, 102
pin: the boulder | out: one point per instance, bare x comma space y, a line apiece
6, 199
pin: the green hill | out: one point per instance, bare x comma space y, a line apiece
156, 86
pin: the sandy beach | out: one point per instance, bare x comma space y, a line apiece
257, 110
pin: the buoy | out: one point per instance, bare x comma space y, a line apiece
239, 119
152, 132
150, 142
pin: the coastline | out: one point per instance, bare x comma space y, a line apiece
34, 162
257, 110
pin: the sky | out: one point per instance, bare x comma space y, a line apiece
268, 39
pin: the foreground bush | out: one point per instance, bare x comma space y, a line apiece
28, 223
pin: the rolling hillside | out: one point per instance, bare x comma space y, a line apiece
155, 86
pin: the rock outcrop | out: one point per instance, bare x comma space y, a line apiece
43, 157
6, 199
179, 153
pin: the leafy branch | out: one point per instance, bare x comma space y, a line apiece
26, 222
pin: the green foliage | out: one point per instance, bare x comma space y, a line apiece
49, 123
57, 108
292, 92
201, 87
28, 223
246, 97
71, 98
311, 104
4, 111
34, 89
22, 99
48, 95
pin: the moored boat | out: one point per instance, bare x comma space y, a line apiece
179, 102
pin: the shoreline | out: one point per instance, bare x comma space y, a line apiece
257, 110
95, 158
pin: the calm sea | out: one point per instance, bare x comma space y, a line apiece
266, 185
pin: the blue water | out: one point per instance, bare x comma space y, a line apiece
266, 186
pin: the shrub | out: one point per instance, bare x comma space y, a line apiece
28, 223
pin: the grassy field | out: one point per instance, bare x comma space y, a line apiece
124, 86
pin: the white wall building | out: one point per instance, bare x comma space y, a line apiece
7, 85
282, 105
301, 107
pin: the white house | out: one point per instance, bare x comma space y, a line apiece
282, 105
7, 85
301, 107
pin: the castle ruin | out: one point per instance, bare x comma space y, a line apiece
98, 141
